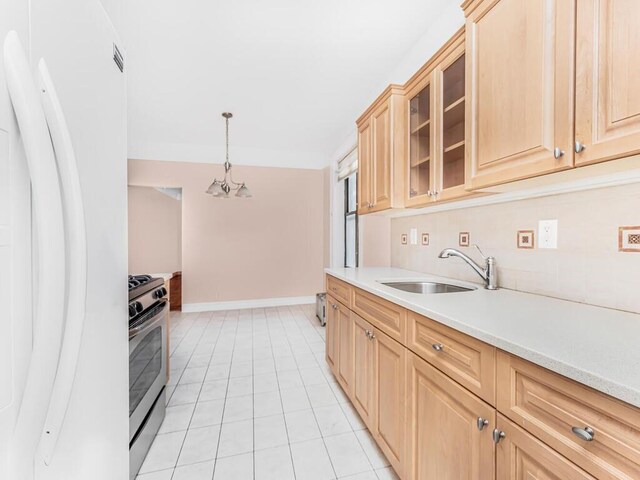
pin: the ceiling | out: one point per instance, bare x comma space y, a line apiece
295, 74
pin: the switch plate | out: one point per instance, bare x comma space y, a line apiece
548, 234
413, 236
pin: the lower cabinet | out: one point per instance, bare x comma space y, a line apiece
345, 353
520, 456
390, 395
362, 393
332, 333
426, 414
449, 429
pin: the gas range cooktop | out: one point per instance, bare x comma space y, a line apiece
141, 284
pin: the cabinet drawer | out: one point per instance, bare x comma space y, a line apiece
339, 290
520, 456
550, 406
468, 361
387, 316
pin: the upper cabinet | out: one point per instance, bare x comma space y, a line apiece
526, 88
520, 88
607, 80
381, 150
450, 126
436, 110
420, 169
550, 86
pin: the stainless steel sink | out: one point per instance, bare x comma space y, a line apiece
427, 287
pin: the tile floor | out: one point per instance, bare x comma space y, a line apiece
251, 397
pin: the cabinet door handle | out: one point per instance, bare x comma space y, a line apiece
482, 422
558, 152
334, 306
578, 147
371, 336
438, 347
585, 433
498, 435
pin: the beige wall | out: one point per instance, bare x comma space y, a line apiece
268, 246
586, 267
154, 246
375, 245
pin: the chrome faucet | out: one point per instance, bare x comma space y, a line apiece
489, 273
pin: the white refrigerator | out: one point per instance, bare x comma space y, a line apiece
63, 252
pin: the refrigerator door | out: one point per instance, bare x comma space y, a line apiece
76, 262
76, 40
50, 264
15, 245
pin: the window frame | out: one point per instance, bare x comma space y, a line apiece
349, 213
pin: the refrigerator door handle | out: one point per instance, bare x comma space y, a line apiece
76, 237
49, 290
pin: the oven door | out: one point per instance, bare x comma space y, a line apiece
147, 364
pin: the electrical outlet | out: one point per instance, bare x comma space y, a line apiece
548, 234
413, 236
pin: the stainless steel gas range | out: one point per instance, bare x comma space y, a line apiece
148, 312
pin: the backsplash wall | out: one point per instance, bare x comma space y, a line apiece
586, 267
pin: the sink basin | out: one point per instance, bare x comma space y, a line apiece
427, 287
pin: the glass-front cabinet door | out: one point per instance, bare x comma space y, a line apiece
451, 130
420, 171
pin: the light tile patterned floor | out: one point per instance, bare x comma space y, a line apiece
251, 397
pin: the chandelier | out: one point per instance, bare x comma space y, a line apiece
221, 188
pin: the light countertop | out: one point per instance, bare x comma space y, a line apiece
596, 346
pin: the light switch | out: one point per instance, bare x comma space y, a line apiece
413, 235
548, 234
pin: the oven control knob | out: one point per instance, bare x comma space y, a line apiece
164, 291
158, 293
132, 310
138, 306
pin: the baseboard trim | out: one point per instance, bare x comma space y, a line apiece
243, 304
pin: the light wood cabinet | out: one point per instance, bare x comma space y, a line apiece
390, 411
607, 80
332, 339
387, 316
364, 375
551, 407
436, 110
365, 167
450, 125
345, 342
420, 171
339, 290
442, 427
519, 89
520, 456
381, 151
468, 361
425, 406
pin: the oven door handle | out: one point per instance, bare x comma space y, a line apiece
149, 324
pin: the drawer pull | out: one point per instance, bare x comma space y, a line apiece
585, 433
498, 435
558, 152
334, 289
482, 422
438, 347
